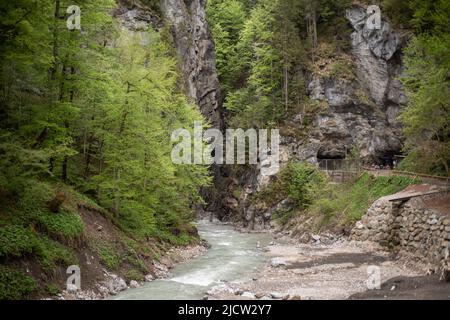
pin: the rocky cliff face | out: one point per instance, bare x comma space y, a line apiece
359, 113
195, 49
193, 43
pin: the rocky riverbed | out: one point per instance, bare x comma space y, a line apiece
339, 270
114, 284
251, 266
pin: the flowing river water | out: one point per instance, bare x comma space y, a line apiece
233, 257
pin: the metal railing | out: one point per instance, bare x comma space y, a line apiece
341, 167
350, 165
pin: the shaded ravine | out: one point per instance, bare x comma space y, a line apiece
233, 257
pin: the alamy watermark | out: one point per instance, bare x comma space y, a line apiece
235, 147
74, 20
373, 21
73, 282
374, 278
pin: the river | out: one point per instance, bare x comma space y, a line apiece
233, 257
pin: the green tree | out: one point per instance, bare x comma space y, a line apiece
227, 18
94, 109
426, 119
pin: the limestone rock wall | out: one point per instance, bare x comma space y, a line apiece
193, 44
360, 113
196, 52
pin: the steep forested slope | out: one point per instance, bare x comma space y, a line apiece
88, 112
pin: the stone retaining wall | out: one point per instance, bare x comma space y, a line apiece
407, 226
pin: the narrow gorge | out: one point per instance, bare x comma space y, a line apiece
94, 205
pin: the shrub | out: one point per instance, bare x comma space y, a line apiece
305, 183
14, 284
62, 225
50, 253
16, 240
107, 253
133, 275
301, 182
52, 289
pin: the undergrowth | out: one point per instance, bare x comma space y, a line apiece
347, 203
312, 194
15, 284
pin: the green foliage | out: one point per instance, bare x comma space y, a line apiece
64, 225
333, 203
263, 50
252, 54
18, 237
422, 15
349, 202
426, 119
52, 289
50, 253
15, 285
134, 275
94, 109
180, 238
342, 70
327, 208
284, 216
117, 254
109, 255
301, 182
305, 183
139, 181
226, 19
16, 240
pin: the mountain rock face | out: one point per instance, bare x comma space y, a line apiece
136, 17
361, 114
193, 44
356, 114
196, 51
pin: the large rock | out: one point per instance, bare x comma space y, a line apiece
115, 284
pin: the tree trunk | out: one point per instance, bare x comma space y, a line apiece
286, 87
54, 66
64, 169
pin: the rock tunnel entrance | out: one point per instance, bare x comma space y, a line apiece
331, 152
330, 157
389, 159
